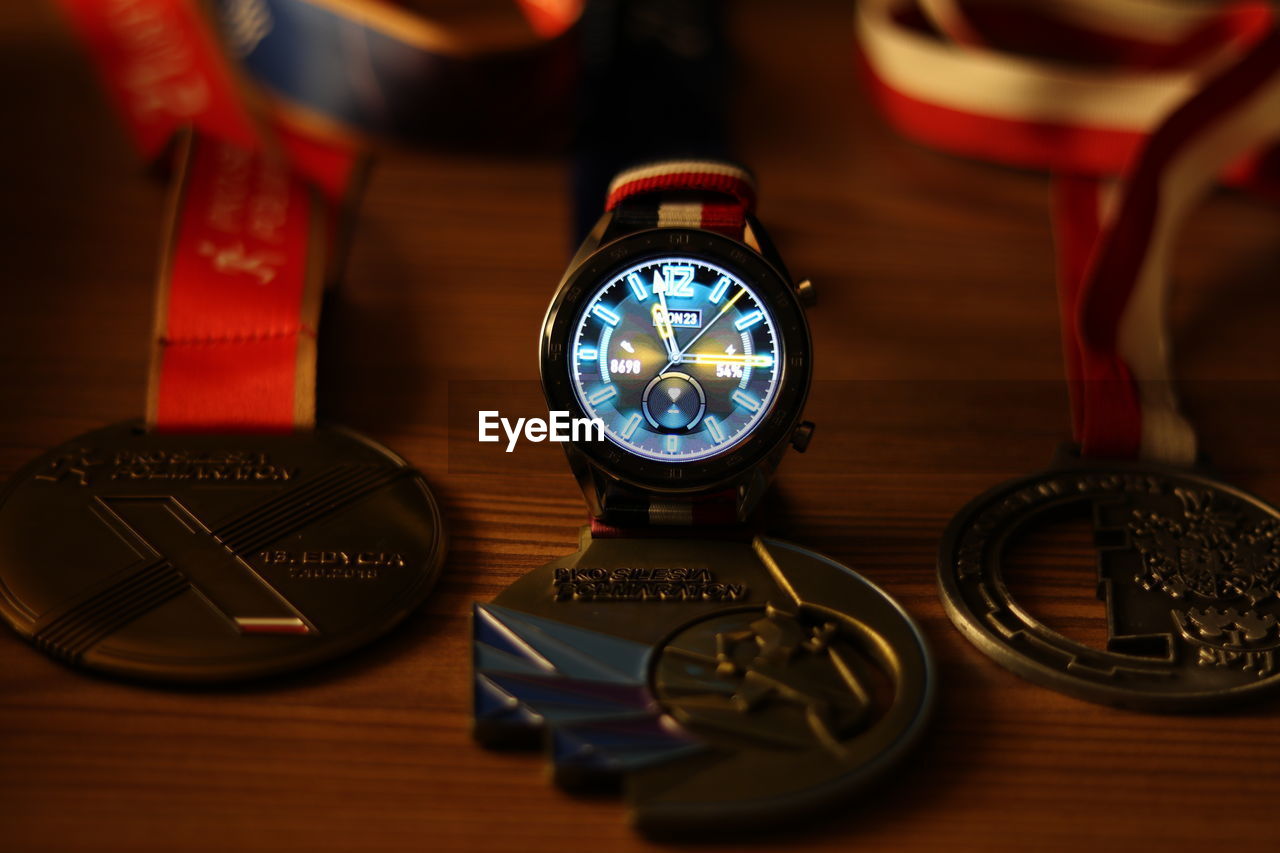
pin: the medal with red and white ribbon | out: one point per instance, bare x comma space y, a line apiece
228, 535
1138, 108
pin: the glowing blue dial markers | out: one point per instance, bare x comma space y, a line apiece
745, 399
602, 395
680, 383
637, 287
606, 315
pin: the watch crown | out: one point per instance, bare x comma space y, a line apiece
807, 294
802, 436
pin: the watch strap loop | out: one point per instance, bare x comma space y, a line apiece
704, 176
710, 194
625, 516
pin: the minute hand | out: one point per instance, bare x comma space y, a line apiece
667, 333
679, 355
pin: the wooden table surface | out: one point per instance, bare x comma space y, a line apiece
938, 375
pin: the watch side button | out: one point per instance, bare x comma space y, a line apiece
806, 293
802, 436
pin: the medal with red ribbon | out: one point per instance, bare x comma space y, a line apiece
229, 535
1138, 109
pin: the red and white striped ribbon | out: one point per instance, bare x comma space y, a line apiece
1170, 98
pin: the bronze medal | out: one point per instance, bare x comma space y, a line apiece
720, 683
203, 558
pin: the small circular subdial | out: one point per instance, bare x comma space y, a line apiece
673, 402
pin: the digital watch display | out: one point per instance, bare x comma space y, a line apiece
677, 356
679, 331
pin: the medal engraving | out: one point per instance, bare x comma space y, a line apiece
768, 677
1188, 570
204, 558
640, 584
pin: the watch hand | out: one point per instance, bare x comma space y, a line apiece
666, 332
725, 358
680, 355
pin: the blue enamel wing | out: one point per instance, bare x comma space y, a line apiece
582, 692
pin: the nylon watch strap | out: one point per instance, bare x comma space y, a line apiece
715, 196
708, 194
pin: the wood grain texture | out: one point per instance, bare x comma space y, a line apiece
938, 371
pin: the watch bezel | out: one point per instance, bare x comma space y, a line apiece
769, 284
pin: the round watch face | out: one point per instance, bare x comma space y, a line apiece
677, 356
690, 349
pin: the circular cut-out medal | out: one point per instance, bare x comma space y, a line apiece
201, 558
723, 685
1188, 569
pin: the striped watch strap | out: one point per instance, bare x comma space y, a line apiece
709, 194
716, 196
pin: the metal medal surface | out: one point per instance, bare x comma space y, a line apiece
1189, 570
724, 685
202, 558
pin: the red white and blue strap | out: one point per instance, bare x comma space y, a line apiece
709, 194
715, 196
1167, 98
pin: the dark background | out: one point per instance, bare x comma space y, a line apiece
938, 374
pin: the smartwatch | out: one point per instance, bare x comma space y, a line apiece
678, 333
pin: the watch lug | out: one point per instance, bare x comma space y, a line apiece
585, 473
756, 238
752, 488
592, 241
755, 483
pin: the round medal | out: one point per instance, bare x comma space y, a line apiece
722, 683
1188, 568
202, 558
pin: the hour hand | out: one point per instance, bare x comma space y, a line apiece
665, 331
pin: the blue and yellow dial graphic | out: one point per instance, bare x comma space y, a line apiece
678, 357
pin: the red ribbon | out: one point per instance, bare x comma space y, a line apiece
1074, 90
257, 201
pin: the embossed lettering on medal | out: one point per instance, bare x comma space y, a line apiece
643, 584
213, 557
1188, 570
